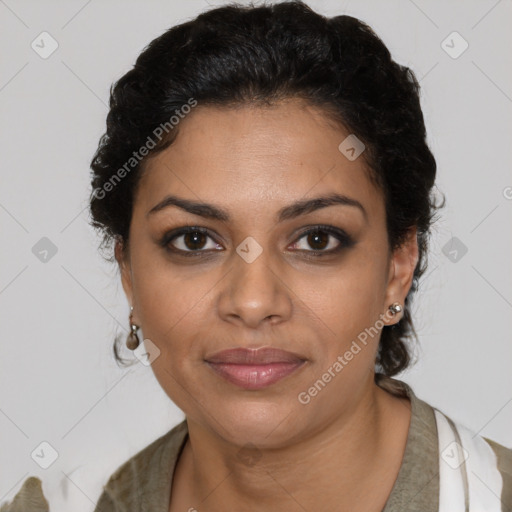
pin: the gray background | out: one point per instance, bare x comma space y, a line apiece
59, 382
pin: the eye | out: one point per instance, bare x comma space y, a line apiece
195, 241
323, 240
190, 239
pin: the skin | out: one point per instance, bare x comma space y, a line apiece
253, 161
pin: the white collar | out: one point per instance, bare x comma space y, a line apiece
469, 479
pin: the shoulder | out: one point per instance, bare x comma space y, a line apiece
30, 498
146, 475
504, 463
503, 454
488, 467
486, 463
149, 457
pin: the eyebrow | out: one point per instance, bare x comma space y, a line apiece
291, 211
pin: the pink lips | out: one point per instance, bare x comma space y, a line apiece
254, 368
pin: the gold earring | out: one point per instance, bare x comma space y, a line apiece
132, 341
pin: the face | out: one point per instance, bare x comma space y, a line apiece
263, 266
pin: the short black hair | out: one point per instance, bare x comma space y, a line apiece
237, 55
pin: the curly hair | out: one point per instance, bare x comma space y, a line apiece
236, 55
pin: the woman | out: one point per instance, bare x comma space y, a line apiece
267, 189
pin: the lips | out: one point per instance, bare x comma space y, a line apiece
254, 368
265, 355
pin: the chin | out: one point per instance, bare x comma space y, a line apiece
261, 422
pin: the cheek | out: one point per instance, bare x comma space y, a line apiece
347, 309
170, 309
176, 308
168, 295
350, 297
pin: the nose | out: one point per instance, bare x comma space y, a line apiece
255, 293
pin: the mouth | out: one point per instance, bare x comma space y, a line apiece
254, 368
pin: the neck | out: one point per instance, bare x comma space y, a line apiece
351, 463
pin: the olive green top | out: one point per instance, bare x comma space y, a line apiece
143, 483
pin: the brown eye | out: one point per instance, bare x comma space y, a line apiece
189, 241
318, 240
194, 240
323, 240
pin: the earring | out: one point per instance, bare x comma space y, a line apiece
395, 308
132, 341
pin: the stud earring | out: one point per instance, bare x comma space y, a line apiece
132, 341
395, 308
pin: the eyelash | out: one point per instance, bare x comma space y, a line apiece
345, 241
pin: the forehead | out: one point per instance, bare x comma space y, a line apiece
240, 156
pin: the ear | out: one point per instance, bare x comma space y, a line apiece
123, 260
401, 273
